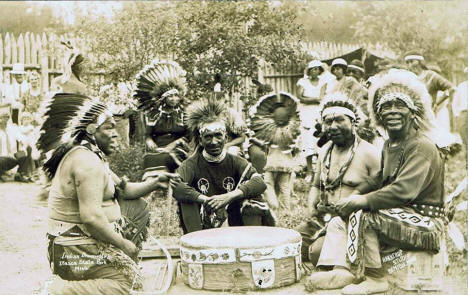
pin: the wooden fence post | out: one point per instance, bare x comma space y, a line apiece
43, 61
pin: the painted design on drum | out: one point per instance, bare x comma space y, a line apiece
263, 273
298, 261
208, 256
195, 276
288, 250
203, 185
229, 184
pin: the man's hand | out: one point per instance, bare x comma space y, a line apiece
219, 201
130, 249
150, 144
163, 179
350, 204
162, 150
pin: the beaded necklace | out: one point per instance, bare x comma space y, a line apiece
325, 184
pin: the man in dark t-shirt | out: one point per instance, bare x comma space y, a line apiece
215, 184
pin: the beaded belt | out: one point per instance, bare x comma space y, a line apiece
429, 210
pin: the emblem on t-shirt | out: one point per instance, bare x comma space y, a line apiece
203, 185
228, 183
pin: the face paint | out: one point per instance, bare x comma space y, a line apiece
213, 137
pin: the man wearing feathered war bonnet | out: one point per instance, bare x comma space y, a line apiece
92, 212
403, 203
214, 182
344, 162
160, 90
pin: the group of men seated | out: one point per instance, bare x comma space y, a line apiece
362, 199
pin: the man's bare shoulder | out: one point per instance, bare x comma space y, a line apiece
84, 162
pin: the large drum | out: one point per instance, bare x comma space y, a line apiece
241, 258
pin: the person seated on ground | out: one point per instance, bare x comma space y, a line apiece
160, 97
344, 162
93, 213
276, 124
401, 206
13, 160
215, 184
30, 134
70, 81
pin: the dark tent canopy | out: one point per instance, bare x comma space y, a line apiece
369, 59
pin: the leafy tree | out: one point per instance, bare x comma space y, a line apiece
19, 17
122, 46
204, 37
437, 29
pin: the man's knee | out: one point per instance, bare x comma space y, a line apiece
135, 209
336, 224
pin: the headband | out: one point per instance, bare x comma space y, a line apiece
394, 96
414, 56
170, 92
213, 127
356, 67
338, 110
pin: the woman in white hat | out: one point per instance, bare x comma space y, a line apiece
311, 88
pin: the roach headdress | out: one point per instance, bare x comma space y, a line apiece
204, 112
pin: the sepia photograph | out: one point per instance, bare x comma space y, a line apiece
233, 147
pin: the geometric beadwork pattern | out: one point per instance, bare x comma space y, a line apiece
411, 218
353, 236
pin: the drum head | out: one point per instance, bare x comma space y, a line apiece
240, 237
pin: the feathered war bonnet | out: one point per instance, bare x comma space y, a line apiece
275, 120
157, 81
405, 86
70, 119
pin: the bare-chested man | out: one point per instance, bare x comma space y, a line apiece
96, 219
344, 162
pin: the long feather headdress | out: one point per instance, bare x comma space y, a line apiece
155, 82
403, 83
67, 117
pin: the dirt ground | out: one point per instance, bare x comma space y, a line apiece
23, 225
24, 266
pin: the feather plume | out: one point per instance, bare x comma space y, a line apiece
266, 128
456, 236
